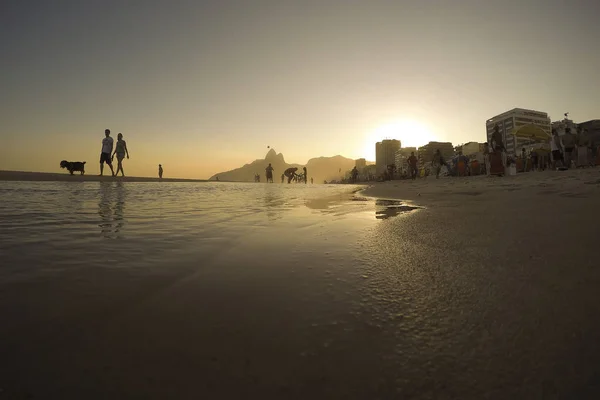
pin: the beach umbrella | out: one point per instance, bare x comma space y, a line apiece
531, 131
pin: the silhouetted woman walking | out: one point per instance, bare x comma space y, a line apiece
120, 151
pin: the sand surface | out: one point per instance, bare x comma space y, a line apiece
66, 177
490, 290
524, 187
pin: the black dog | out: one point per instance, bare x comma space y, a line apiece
73, 166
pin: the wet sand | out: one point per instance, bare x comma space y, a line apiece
515, 263
66, 177
488, 291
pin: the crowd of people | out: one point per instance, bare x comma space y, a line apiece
562, 152
565, 151
289, 173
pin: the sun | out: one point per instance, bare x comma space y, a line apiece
411, 133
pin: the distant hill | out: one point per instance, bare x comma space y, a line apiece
320, 169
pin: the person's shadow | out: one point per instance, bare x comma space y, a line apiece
111, 209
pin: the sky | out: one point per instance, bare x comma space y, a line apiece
205, 86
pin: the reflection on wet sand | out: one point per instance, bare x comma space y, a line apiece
342, 205
385, 209
273, 203
112, 217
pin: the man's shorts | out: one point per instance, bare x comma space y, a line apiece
557, 155
105, 157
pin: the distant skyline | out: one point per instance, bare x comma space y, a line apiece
205, 86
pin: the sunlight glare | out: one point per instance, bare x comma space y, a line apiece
411, 133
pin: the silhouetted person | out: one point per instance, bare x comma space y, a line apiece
311, 181
486, 158
160, 171
354, 174
437, 163
282, 177
391, 168
107, 148
555, 148
269, 170
412, 164
465, 160
120, 151
305, 175
498, 144
534, 160
290, 173
568, 144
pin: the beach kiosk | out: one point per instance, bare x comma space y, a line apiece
525, 136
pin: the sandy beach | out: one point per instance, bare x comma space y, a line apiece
489, 290
66, 177
524, 188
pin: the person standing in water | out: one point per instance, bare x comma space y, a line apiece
160, 171
269, 170
107, 147
120, 151
305, 176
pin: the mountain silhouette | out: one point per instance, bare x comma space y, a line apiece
320, 169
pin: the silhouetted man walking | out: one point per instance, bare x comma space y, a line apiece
107, 147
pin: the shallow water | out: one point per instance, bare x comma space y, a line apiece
141, 223
76, 256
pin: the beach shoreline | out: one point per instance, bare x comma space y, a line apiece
66, 177
478, 294
433, 192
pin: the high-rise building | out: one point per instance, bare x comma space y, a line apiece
470, 148
509, 121
385, 153
592, 130
402, 157
360, 164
